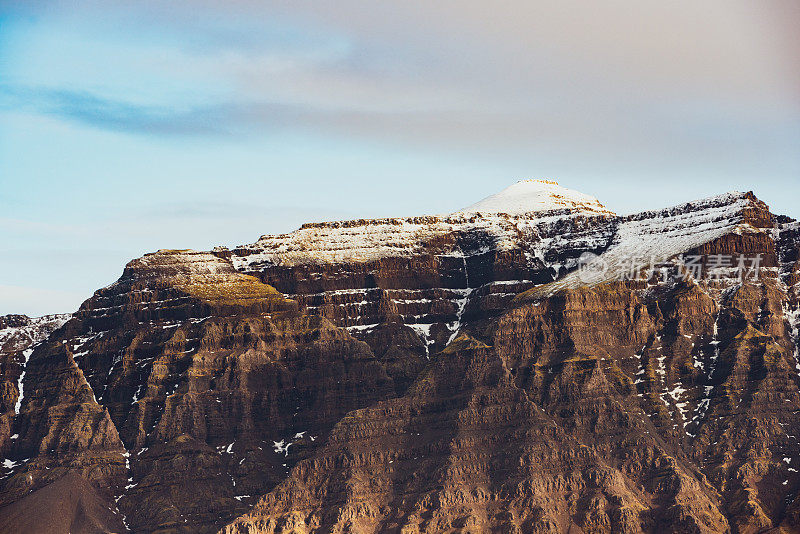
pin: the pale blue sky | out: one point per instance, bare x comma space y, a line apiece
126, 127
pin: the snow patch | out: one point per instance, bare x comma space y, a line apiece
26, 355
10, 464
793, 317
282, 447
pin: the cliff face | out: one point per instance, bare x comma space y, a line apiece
181, 389
602, 408
459, 373
19, 335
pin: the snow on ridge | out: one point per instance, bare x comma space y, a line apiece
365, 240
724, 199
376, 239
660, 235
35, 330
176, 263
528, 196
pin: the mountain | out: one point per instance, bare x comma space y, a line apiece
531, 363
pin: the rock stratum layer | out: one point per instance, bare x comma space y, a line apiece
457, 373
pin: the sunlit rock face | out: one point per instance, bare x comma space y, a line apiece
454, 373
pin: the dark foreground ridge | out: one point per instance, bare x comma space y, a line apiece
456, 373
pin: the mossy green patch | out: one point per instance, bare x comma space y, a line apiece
464, 342
241, 289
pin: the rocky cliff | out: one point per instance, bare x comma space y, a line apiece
533, 363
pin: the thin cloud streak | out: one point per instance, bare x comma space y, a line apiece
635, 130
86, 108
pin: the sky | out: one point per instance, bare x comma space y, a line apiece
128, 127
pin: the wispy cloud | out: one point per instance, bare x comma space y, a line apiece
106, 113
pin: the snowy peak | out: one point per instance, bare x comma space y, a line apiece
530, 196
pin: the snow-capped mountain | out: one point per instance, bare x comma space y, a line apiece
445, 373
537, 196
